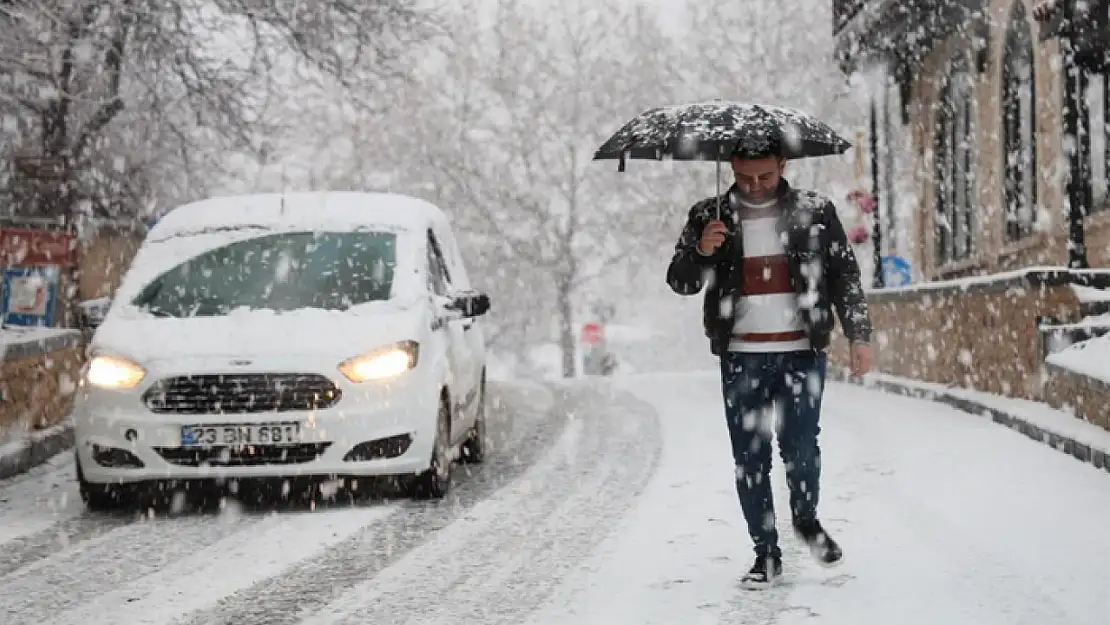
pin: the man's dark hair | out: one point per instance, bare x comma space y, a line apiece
757, 146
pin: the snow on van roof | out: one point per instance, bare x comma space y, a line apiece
309, 210
195, 228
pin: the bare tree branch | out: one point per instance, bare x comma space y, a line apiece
113, 64
105, 78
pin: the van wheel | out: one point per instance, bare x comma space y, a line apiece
98, 497
474, 449
435, 482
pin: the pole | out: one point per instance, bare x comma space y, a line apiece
1075, 119
876, 215
718, 182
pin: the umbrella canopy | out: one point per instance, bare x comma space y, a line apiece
711, 131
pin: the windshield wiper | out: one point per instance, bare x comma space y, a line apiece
158, 312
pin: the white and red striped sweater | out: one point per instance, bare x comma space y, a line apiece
767, 318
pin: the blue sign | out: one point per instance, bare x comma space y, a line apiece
896, 271
29, 296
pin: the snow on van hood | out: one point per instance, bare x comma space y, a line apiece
258, 333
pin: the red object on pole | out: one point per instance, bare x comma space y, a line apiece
24, 246
591, 333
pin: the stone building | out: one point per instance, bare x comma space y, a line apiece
991, 113
989, 163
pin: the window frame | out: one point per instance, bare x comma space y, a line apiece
955, 186
1020, 189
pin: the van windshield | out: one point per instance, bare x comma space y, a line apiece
281, 272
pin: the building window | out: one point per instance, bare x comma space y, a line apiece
1097, 139
1019, 127
952, 148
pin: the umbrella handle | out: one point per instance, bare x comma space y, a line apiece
718, 184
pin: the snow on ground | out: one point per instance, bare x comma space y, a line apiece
944, 518
605, 501
29, 334
1042, 415
1090, 358
277, 541
1088, 295
37, 500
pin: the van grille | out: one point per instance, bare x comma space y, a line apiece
250, 456
241, 393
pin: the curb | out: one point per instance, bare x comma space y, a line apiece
1064, 444
35, 450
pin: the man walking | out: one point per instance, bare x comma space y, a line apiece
776, 264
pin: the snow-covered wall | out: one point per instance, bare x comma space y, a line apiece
1079, 381
979, 333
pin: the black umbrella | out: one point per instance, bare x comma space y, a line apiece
710, 131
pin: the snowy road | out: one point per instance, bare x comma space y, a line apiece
603, 504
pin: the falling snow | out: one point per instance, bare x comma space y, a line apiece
333, 187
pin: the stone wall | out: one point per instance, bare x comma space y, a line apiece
1086, 397
979, 334
39, 371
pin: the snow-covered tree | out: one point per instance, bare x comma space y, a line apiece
500, 127
139, 99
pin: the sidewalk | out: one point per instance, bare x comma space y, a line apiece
1060, 430
21, 455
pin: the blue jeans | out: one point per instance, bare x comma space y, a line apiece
793, 383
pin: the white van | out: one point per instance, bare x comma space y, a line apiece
307, 334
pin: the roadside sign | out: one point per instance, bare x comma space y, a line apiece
29, 296
592, 333
896, 271
24, 246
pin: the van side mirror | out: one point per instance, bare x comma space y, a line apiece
470, 304
91, 313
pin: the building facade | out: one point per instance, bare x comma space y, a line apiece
989, 134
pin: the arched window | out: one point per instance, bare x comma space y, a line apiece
1019, 148
953, 142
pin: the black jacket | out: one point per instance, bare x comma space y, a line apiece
823, 268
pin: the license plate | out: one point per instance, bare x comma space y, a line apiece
239, 434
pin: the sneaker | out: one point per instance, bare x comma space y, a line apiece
764, 573
822, 546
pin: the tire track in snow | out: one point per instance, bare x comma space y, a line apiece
316, 581
510, 553
68, 534
202, 579
34, 502
100, 554
99, 565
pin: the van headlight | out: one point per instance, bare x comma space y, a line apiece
114, 373
380, 364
